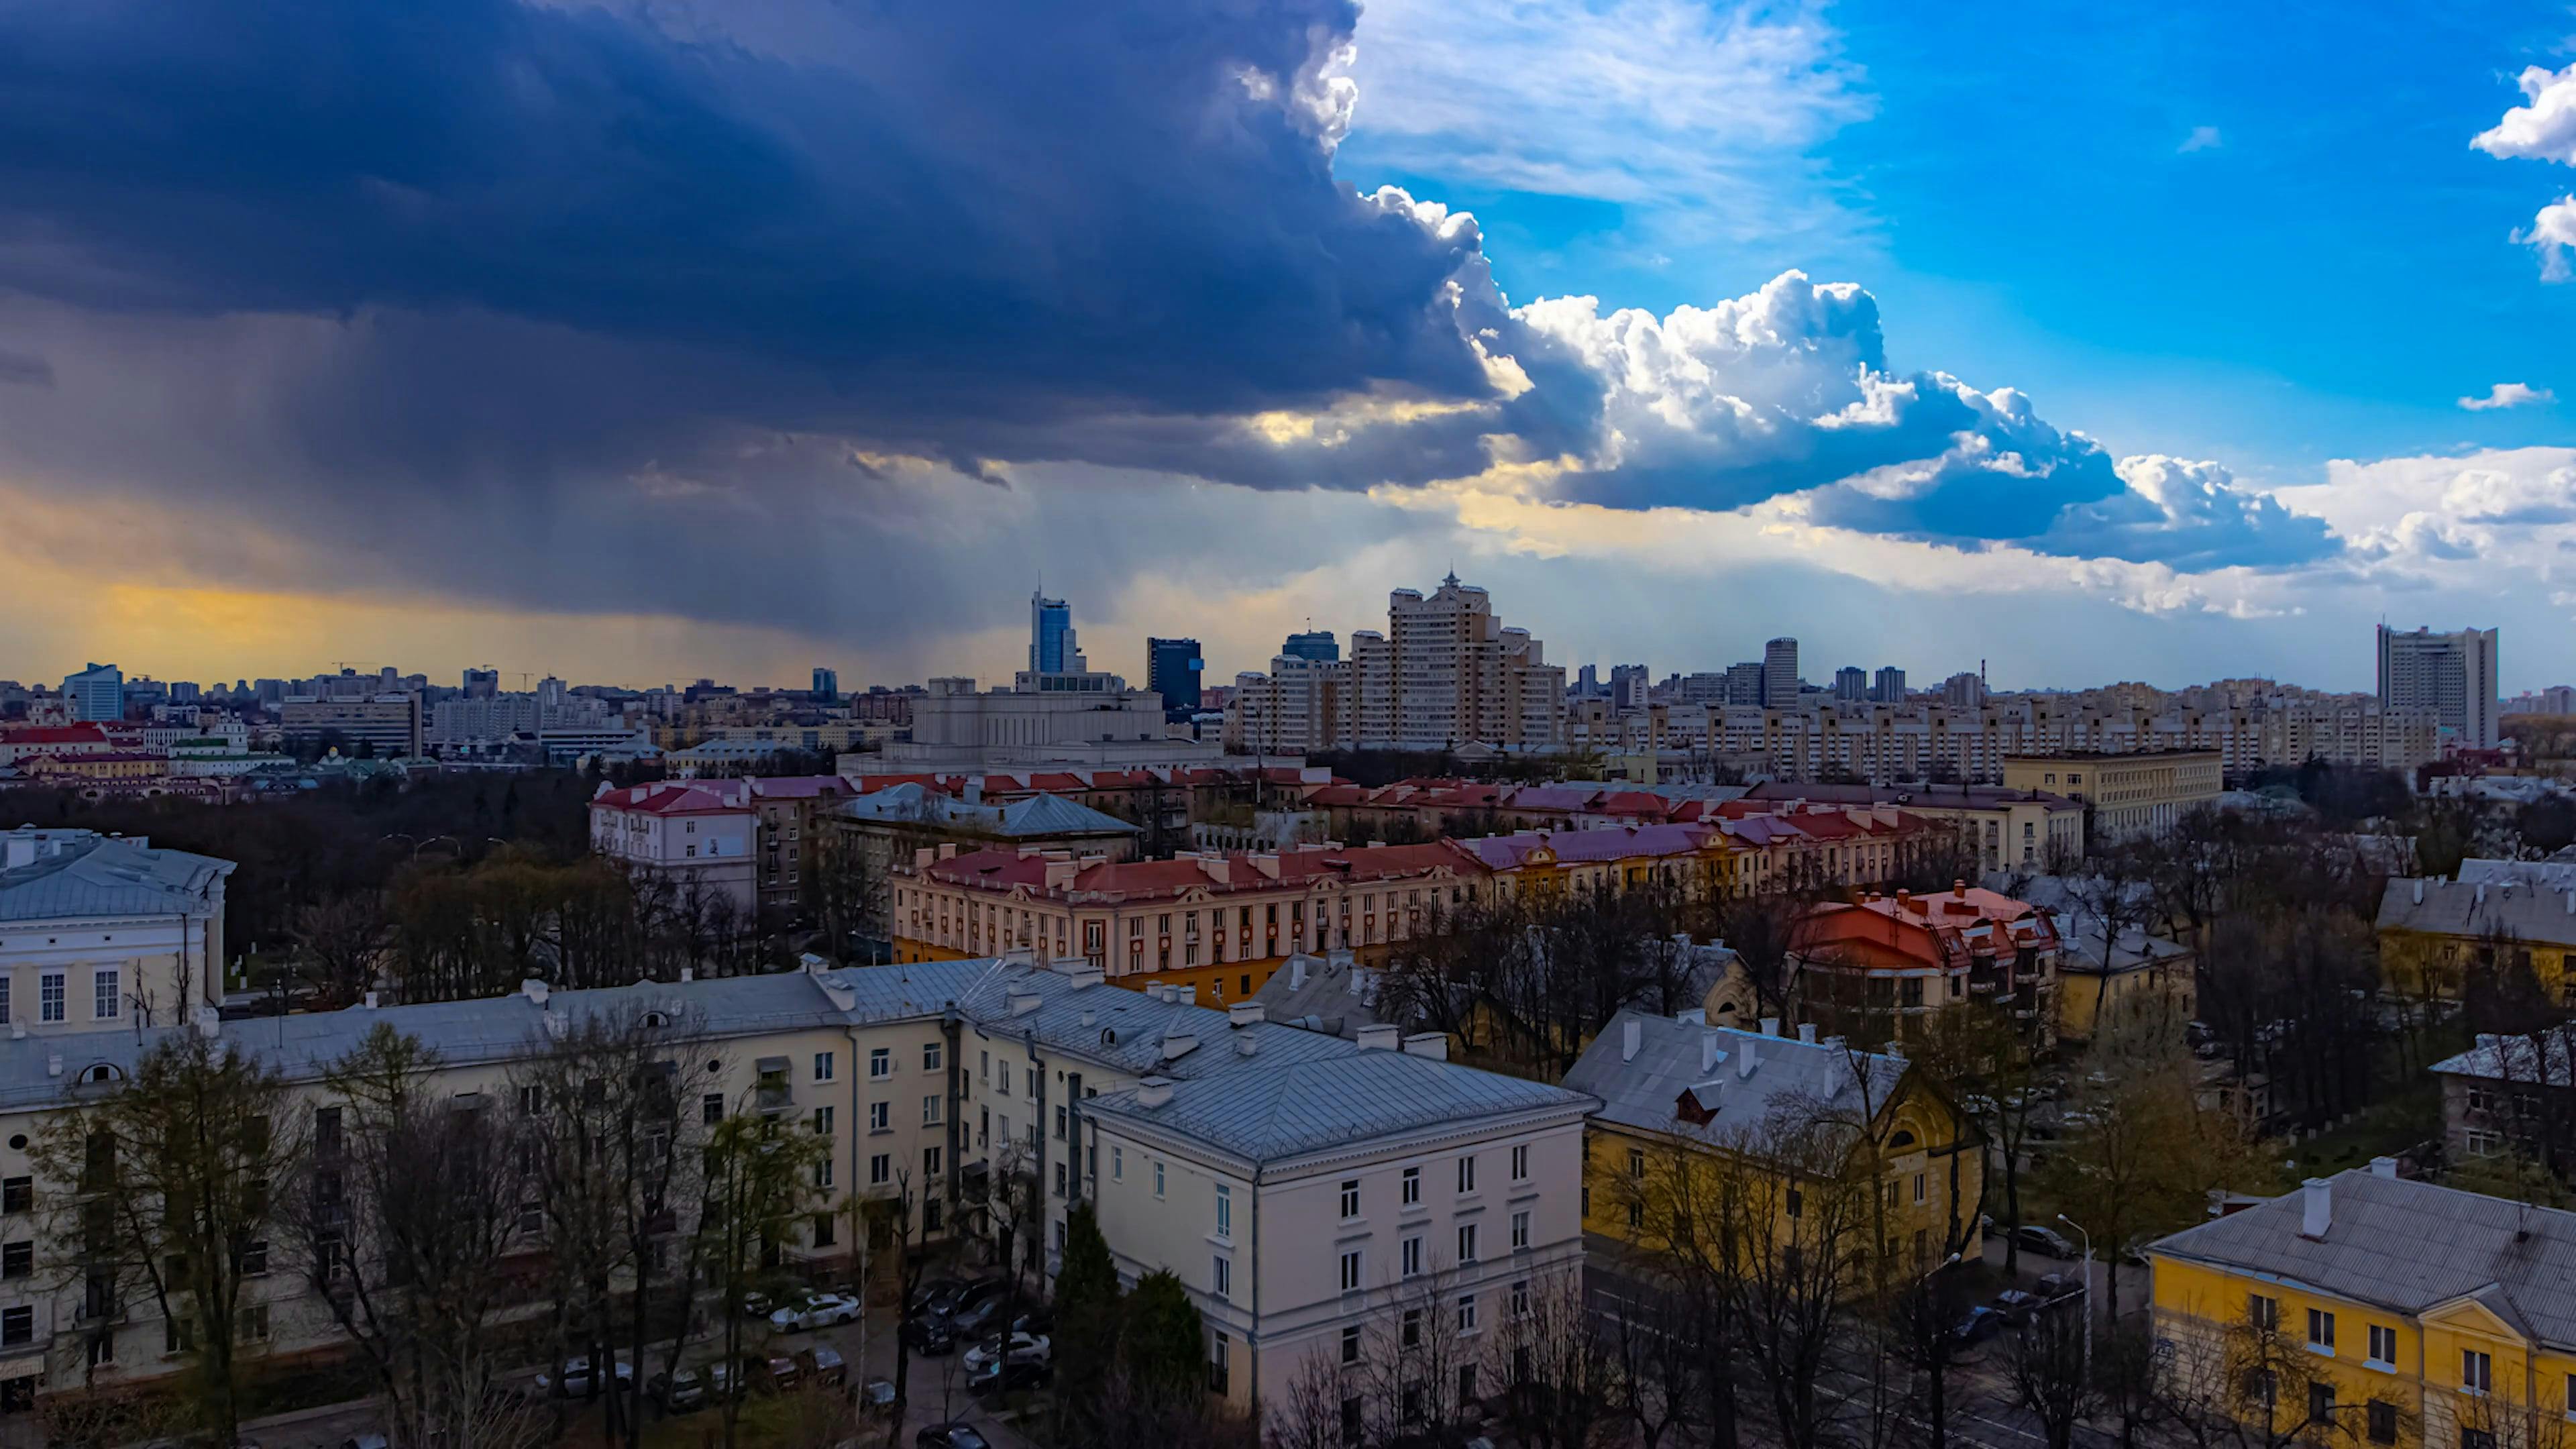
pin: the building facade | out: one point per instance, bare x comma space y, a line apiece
2453, 675
100, 932
2141, 794
96, 693
694, 839
389, 724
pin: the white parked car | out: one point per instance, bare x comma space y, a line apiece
816, 1310
1022, 1348
576, 1378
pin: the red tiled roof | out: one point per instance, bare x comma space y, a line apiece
79, 734
675, 797
1002, 869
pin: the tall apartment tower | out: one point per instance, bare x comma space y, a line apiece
1315, 644
2453, 675
1744, 683
1447, 672
1173, 669
482, 683
827, 685
96, 694
1780, 673
1889, 687
1851, 682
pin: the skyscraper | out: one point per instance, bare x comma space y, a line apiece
1051, 647
1889, 687
1851, 682
1318, 645
1780, 673
1629, 686
96, 693
1172, 670
1744, 683
482, 683
827, 685
2453, 675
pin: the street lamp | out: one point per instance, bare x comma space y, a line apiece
2088, 1291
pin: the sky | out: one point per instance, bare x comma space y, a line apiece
640, 340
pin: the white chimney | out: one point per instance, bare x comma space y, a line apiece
1246, 1013
2383, 1167
1696, 1016
1153, 1092
534, 990
2316, 1207
1383, 1036
210, 1022
1807, 1032
371, 1001
1087, 1016
1023, 1002
2419, 890
1180, 1044
1297, 973
688, 974
1709, 1043
1770, 1026
1744, 1061
1246, 1044
1189, 996
1432, 1044
1632, 1035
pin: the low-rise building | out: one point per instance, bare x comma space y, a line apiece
2434, 932
100, 931
2007, 829
2390, 1311
386, 724
1868, 967
2510, 1094
2140, 793
691, 838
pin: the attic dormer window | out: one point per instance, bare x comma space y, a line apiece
1902, 1138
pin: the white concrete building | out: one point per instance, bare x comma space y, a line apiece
101, 932
2453, 675
1043, 721
694, 835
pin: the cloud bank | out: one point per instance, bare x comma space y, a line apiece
2542, 129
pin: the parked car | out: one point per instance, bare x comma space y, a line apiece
1036, 1320
1010, 1375
1979, 1324
2053, 1286
755, 1305
2037, 1238
773, 1371
950, 1436
978, 1319
721, 1380
815, 1310
876, 1396
678, 1392
929, 1334
962, 1296
1027, 1347
823, 1364
932, 1292
575, 1382
2016, 1305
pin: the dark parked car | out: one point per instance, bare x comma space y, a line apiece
773, 1371
677, 1393
1980, 1324
929, 1334
979, 1319
876, 1396
823, 1364
2016, 1305
2054, 1286
934, 1292
2035, 1238
960, 1297
950, 1436
1036, 1320
1009, 1375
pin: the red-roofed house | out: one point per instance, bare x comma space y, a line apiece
1865, 967
55, 741
694, 836
1215, 921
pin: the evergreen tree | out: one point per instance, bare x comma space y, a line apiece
1164, 1343
1086, 1316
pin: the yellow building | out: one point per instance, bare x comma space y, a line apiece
2369, 1309
2432, 932
2130, 794
1696, 1120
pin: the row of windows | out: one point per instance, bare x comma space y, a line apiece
107, 996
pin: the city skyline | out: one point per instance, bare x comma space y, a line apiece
1718, 332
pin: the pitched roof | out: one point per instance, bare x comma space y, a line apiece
2407, 1246
102, 876
2522, 911
1002, 869
2517, 1058
1674, 1055
676, 797
1030, 817
1572, 847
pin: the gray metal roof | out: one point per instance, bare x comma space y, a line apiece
2407, 1246
2513, 908
1034, 817
103, 876
2519, 1059
1674, 1056
1336, 997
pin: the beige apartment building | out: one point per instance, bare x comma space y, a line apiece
2130, 795
389, 724
2010, 829
1447, 673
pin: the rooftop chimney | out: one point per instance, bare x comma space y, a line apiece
1745, 1061
1711, 1047
1189, 996
1432, 1044
1696, 1016
1770, 1026
2383, 1167
2316, 1207
1023, 1002
1246, 1013
1153, 1092
1297, 972
1179, 1044
948, 850
1807, 1032
1632, 1035
371, 1001
2419, 890
534, 990
1246, 1044
1382, 1036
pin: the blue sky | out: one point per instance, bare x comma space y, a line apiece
647, 340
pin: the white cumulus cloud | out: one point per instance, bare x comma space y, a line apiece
2508, 395
2542, 129
2202, 138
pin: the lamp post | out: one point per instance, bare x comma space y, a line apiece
2088, 1290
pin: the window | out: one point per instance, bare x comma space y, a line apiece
2477, 1438
822, 1121
984, 1067
1352, 1423
2262, 1311
251, 1324
1221, 1276
1520, 1163
1059, 1179
2383, 1345
1797, 1202
1520, 1298
1636, 1214
1351, 1272
1059, 1122
18, 1325
2320, 1403
1636, 1163
178, 1335
1033, 1084
823, 1171
1218, 1355
880, 1062
826, 1232
823, 1066
1158, 1179
2321, 1329
254, 1258
1466, 1242
1224, 1211
1351, 1345
1350, 1199
1412, 1196
881, 1169
931, 1058
1520, 1230
49, 996
1922, 1188
1409, 1334
17, 1195
2477, 1371
711, 1108
2382, 1417
931, 1107
106, 997
1467, 1313
934, 1161
1466, 1175
1412, 1251
18, 1259
1117, 1164
880, 1116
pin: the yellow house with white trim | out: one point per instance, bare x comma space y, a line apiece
2373, 1309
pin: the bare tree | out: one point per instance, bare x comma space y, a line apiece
1556, 1366
2051, 1373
